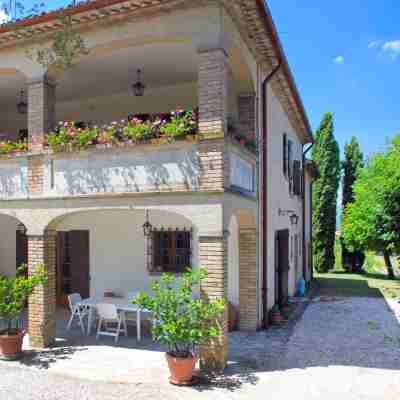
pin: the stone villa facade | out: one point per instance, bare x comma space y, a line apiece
214, 56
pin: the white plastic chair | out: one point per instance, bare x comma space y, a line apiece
108, 314
77, 311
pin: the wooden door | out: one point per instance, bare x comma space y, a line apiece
80, 263
72, 265
282, 267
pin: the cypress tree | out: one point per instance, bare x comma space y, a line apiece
326, 156
353, 162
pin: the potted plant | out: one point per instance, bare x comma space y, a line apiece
14, 292
275, 315
182, 321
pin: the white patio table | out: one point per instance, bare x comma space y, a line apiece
122, 304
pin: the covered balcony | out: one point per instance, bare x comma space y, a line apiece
104, 127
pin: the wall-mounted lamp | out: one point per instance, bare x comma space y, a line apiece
147, 226
293, 217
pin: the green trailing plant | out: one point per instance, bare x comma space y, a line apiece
14, 292
372, 220
351, 166
69, 135
9, 147
138, 130
179, 125
183, 322
326, 157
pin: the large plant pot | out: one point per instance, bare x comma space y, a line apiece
181, 369
11, 346
276, 318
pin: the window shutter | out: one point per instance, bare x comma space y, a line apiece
290, 165
297, 177
285, 154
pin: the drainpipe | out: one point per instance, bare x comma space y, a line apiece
304, 214
263, 192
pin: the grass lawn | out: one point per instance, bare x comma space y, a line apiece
339, 283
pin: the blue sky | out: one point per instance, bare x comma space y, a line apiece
345, 57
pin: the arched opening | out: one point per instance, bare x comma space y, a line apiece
103, 251
13, 245
13, 253
242, 271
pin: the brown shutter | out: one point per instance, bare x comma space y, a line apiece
285, 154
80, 270
297, 178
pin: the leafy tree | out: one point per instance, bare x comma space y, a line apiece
372, 221
351, 165
66, 46
326, 156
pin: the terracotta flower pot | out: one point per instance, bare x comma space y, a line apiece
276, 317
181, 369
11, 345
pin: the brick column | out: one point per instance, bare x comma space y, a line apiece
41, 111
35, 175
248, 279
42, 303
213, 91
247, 113
213, 256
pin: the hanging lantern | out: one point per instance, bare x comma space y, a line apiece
147, 226
138, 87
22, 105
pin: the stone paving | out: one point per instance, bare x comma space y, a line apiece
338, 349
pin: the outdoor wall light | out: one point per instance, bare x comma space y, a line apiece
22, 105
147, 226
138, 87
293, 217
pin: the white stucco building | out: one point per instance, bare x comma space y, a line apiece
213, 200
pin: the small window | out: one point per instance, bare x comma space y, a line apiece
170, 251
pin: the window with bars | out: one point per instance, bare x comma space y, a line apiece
169, 250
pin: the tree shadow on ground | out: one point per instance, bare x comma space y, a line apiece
234, 377
45, 358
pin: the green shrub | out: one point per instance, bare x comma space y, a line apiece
183, 322
14, 292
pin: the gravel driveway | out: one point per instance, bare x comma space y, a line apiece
340, 349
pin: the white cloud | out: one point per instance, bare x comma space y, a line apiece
3, 17
339, 60
392, 48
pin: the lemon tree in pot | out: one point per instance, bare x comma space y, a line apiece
182, 320
14, 292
